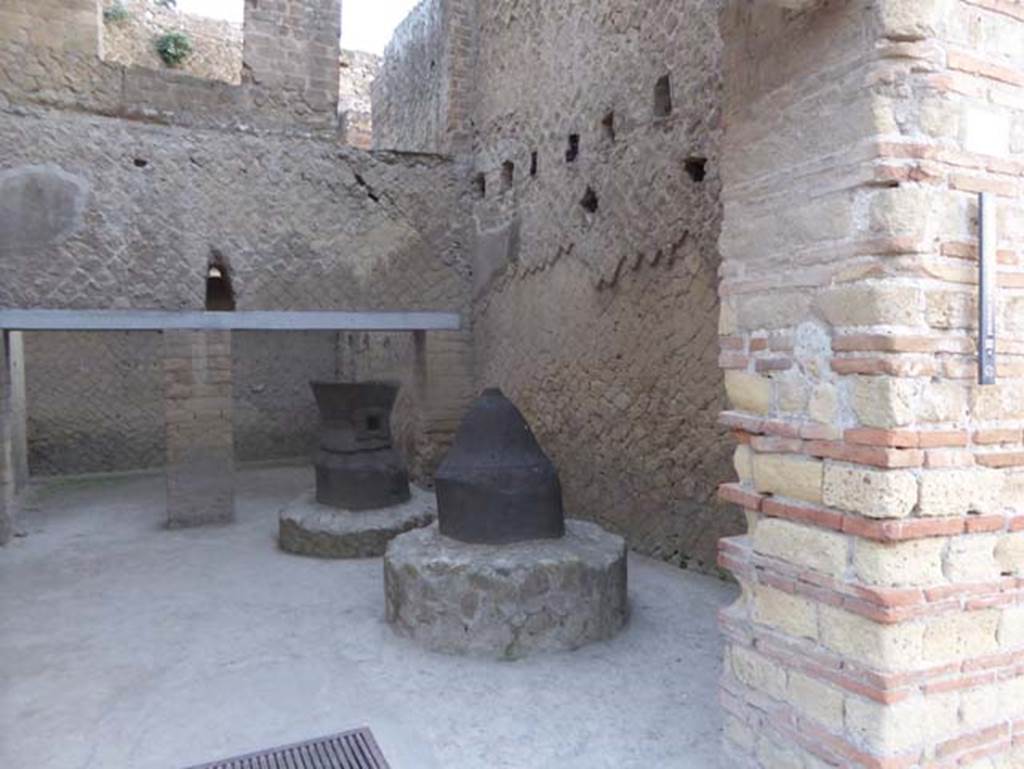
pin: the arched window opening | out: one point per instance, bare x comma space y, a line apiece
220, 296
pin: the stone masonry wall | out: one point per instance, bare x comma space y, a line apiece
136, 212
7, 512
882, 616
596, 266
301, 224
96, 401
290, 57
216, 44
49, 56
358, 70
275, 416
408, 111
129, 211
18, 408
422, 96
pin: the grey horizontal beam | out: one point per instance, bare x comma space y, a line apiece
159, 320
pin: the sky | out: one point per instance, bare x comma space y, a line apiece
366, 25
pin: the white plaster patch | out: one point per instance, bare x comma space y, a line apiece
986, 131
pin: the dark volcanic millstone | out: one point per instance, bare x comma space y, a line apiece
496, 485
356, 466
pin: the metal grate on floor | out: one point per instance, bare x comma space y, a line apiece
349, 750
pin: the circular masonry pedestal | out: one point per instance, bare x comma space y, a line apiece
507, 600
308, 528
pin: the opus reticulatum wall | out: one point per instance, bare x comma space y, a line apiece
595, 266
122, 186
832, 150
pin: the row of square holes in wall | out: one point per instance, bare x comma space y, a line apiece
695, 166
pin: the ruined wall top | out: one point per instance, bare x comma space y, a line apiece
422, 98
291, 53
131, 28
51, 54
358, 71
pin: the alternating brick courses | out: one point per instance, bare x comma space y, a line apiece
818, 566
881, 622
881, 618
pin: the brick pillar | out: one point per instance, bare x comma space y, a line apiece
291, 54
443, 387
198, 416
459, 86
881, 622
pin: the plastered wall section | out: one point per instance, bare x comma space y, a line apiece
881, 618
596, 221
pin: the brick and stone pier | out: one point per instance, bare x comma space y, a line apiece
198, 411
881, 623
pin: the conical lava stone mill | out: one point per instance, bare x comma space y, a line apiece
363, 498
496, 485
503, 573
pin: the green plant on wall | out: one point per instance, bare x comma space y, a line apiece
115, 13
174, 48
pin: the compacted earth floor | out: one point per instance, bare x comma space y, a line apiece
127, 646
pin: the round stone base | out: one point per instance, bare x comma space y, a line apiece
507, 600
308, 528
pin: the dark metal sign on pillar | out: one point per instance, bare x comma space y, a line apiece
986, 288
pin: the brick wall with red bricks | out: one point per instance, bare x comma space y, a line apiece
882, 618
